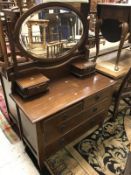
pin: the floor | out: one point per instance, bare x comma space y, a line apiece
14, 159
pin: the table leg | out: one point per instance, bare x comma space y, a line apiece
125, 30
97, 39
40, 147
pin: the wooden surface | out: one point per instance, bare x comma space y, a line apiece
32, 80
115, 4
81, 65
63, 93
105, 64
108, 10
68, 110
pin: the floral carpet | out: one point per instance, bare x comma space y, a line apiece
106, 154
4, 125
7, 129
3, 104
94, 153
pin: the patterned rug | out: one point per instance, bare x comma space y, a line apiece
3, 104
7, 129
4, 125
94, 153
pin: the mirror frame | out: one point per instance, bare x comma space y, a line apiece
67, 54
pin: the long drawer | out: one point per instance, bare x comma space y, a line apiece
75, 133
53, 131
64, 115
98, 97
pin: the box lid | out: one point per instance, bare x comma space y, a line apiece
32, 80
83, 64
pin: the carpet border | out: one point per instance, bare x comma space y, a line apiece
88, 168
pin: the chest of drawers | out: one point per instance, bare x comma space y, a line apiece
70, 108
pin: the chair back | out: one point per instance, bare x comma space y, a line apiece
24, 4
3, 48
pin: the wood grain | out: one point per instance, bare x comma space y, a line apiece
62, 94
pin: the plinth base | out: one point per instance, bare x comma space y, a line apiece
106, 64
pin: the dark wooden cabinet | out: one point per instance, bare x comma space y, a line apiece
70, 108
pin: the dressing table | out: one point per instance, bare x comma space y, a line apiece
70, 108
49, 120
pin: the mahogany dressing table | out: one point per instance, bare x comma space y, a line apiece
72, 105
70, 108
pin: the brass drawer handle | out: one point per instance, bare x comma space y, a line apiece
62, 142
62, 128
64, 117
94, 109
97, 97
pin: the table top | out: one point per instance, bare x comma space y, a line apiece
74, 1
115, 4
62, 93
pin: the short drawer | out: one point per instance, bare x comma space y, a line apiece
98, 97
62, 128
74, 134
114, 12
64, 115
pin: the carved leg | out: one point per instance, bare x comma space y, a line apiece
40, 148
125, 29
97, 39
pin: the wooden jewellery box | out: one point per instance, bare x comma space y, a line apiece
83, 68
32, 85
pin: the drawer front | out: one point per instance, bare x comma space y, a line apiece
97, 98
65, 115
62, 128
117, 13
74, 134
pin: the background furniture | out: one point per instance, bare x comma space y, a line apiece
3, 50
110, 12
42, 23
124, 93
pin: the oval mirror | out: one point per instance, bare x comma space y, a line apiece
50, 32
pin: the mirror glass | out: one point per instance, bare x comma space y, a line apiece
50, 32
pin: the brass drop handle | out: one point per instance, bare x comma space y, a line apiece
95, 109
62, 127
64, 117
97, 97
62, 141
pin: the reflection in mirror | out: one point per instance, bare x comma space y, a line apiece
50, 32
